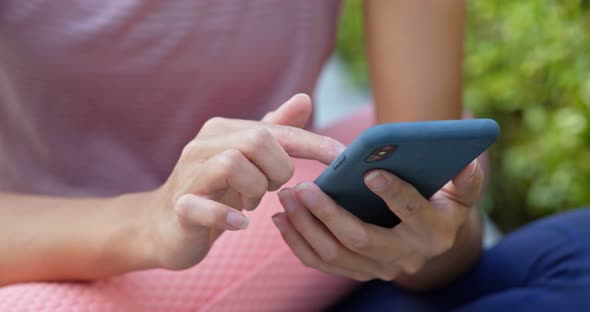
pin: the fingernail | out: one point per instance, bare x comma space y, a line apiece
278, 223
237, 220
475, 166
377, 181
287, 200
306, 194
302, 95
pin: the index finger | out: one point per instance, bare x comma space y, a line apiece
297, 142
300, 143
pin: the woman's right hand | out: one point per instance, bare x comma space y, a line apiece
228, 167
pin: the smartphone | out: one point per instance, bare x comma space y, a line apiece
426, 154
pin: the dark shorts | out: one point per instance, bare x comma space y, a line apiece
544, 266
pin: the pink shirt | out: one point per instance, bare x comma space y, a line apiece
99, 97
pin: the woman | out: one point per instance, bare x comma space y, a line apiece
113, 160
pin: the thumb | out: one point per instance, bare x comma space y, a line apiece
194, 211
295, 112
467, 185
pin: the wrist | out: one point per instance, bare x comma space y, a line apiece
130, 243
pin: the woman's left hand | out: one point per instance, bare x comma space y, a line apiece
325, 236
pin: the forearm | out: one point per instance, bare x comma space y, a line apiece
415, 54
445, 268
44, 238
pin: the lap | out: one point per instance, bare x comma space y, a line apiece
543, 266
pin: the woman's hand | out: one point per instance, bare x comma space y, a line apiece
228, 167
327, 237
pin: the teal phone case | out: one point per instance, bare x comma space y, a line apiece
425, 154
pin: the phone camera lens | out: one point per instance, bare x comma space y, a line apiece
381, 153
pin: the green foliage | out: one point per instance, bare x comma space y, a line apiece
350, 41
527, 65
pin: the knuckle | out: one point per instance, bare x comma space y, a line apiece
191, 148
290, 168
289, 171
181, 210
309, 262
229, 160
213, 123
261, 187
359, 240
413, 205
252, 203
233, 155
257, 138
331, 255
281, 177
327, 214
